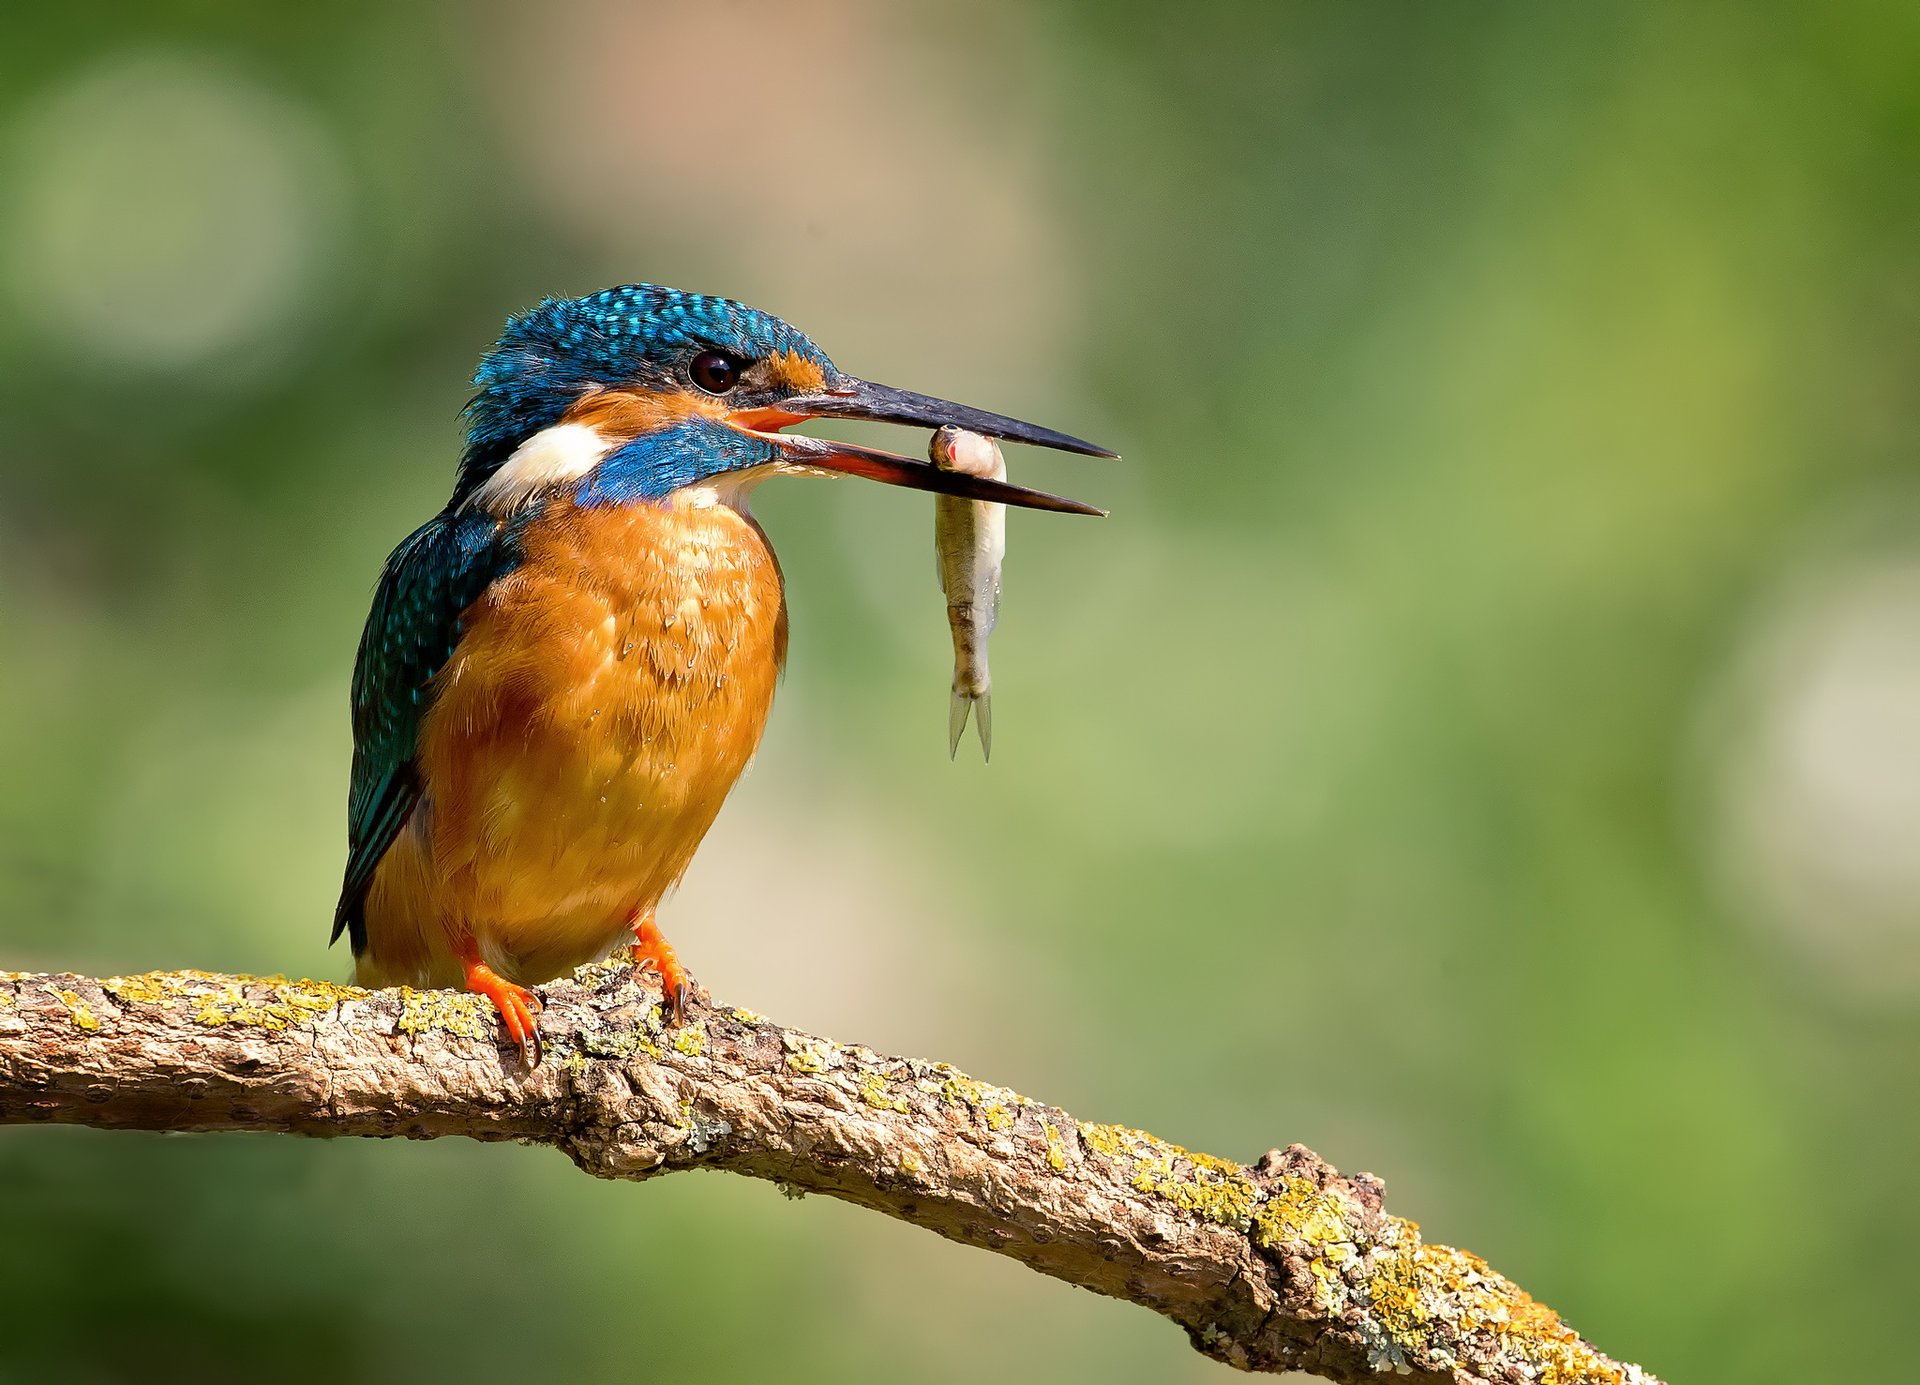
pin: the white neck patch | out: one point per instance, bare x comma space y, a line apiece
731, 489
551, 457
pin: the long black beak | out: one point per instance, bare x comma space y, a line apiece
847, 397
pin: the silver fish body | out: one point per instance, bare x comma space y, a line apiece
969, 544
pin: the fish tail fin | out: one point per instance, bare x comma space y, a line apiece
983, 723
957, 721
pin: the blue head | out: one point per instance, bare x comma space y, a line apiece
632, 393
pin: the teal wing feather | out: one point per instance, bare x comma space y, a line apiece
430, 580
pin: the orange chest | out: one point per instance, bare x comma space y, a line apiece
630, 624
602, 701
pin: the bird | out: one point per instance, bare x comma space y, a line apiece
565, 670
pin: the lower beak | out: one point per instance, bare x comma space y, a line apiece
845, 459
847, 397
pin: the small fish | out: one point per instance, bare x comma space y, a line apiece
969, 542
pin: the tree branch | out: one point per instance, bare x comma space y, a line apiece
1284, 1265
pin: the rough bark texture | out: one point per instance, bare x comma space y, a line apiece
1284, 1265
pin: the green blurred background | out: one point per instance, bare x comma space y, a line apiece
1484, 743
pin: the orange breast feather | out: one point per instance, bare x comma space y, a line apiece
604, 699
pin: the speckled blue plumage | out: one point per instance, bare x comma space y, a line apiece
655, 465
551, 355
636, 337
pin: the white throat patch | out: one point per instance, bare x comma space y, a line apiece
551, 457
732, 489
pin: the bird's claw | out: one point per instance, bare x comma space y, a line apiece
651, 951
519, 1008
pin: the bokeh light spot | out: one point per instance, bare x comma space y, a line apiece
169, 209
1817, 777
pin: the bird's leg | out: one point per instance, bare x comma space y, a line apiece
651, 948
517, 1005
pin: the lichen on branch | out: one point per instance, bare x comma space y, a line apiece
1279, 1265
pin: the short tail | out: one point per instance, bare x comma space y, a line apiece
957, 722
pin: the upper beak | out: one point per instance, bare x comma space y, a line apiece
847, 397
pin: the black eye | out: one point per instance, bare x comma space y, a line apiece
714, 372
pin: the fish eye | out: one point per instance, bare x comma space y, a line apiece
714, 371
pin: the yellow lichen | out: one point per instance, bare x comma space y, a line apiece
214, 999
1056, 1151
77, 1009
1215, 1190
1115, 1141
1298, 1213
1420, 1296
995, 1104
286, 1002
690, 1040
618, 1043
911, 1163
1415, 1288
809, 1056
746, 1016
957, 1089
1212, 1189
873, 1091
589, 975
147, 989
450, 1012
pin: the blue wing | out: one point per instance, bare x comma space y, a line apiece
430, 580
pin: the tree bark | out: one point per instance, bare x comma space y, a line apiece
1281, 1265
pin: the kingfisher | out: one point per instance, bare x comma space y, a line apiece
565, 671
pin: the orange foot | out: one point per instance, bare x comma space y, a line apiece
651, 948
517, 1005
